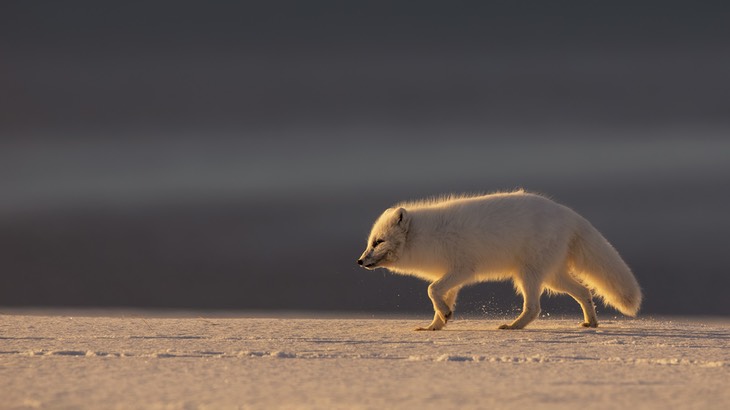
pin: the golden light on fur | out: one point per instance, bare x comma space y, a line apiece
540, 245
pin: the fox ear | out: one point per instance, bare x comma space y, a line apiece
401, 218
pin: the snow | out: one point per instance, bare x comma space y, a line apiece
146, 361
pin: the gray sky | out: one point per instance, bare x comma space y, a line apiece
207, 155
110, 68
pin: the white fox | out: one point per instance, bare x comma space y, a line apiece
536, 242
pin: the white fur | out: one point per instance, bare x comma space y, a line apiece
539, 244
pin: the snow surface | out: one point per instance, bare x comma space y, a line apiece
140, 361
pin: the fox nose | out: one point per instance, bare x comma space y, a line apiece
359, 262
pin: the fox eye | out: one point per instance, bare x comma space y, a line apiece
377, 242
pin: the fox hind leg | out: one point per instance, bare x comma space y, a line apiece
564, 283
531, 292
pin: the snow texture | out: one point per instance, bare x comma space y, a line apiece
133, 361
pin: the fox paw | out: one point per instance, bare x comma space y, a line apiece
509, 327
419, 329
432, 326
435, 325
589, 324
448, 316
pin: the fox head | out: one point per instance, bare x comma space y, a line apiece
386, 240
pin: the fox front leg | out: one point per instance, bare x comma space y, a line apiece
447, 305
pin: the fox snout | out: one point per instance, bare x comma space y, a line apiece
366, 261
362, 263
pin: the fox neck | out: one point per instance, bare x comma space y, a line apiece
421, 255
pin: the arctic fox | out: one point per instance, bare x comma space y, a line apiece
539, 244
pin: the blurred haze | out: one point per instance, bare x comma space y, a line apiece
216, 156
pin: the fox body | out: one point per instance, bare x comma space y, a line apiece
538, 244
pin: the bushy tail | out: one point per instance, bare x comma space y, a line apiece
597, 264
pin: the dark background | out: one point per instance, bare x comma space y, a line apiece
214, 156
